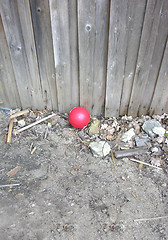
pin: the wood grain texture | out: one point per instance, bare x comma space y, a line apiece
134, 23
117, 47
11, 23
158, 52
35, 90
92, 35
159, 102
147, 46
64, 32
43, 37
8, 89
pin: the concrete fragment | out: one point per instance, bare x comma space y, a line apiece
100, 149
160, 131
149, 125
128, 135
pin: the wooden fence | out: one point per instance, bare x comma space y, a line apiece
110, 56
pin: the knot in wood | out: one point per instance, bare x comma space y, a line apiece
88, 27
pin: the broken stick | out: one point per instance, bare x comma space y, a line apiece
35, 123
10, 131
130, 152
144, 163
19, 113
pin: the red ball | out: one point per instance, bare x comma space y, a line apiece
79, 117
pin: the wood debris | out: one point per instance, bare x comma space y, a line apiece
130, 152
10, 131
35, 123
19, 113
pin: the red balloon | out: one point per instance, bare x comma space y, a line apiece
79, 117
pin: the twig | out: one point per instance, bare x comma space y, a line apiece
33, 150
10, 131
138, 161
76, 135
19, 114
134, 196
112, 156
35, 123
9, 185
149, 219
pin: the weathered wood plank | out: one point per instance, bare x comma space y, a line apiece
93, 33
8, 90
43, 38
64, 32
160, 98
30, 54
100, 56
119, 22
162, 33
134, 23
86, 36
11, 23
147, 44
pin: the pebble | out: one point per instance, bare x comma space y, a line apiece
100, 149
128, 135
149, 125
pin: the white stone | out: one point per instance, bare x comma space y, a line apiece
160, 131
100, 149
21, 123
128, 135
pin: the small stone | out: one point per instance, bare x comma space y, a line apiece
155, 149
160, 131
94, 128
21, 123
149, 125
100, 149
141, 142
128, 135
156, 161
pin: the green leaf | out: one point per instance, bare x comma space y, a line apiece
166, 135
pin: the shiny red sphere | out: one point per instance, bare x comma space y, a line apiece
79, 117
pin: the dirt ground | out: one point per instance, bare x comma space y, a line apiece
62, 192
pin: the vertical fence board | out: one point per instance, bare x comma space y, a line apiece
65, 52
148, 39
43, 37
160, 98
100, 56
15, 42
86, 36
118, 36
8, 90
162, 33
92, 32
73, 31
134, 23
31, 57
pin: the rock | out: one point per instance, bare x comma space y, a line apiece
21, 123
141, 142
156, 161
160, 131
94, 128
149, 125
100, 149
155, 149
128, 135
